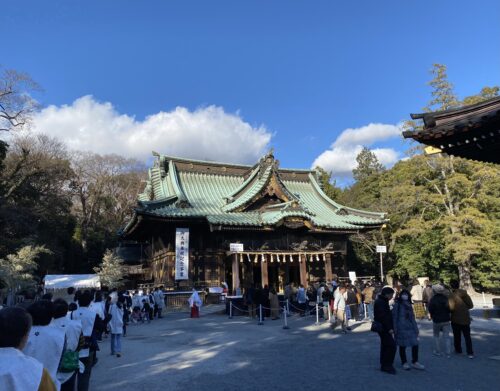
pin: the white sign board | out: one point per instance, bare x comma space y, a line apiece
236, 247
181, 253
381, 249
352, 277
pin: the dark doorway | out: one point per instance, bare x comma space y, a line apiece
257, 275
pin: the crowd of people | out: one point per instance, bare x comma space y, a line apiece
49, 343
395, 313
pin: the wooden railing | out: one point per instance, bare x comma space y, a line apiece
178, 300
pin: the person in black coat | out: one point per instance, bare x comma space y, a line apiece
383, 315
439, 310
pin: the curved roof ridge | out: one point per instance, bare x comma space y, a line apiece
339, 206
174, 180
189, 160
457, 110
244, 184
251, 190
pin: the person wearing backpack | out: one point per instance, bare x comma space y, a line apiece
439, 310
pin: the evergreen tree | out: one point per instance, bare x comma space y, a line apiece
111, 271
329, 187
368, 165
443, 211
443, 95
17, 270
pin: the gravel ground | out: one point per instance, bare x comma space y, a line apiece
216, 353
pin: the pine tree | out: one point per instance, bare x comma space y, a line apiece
443, 95
329, 187
368, 165
111, 271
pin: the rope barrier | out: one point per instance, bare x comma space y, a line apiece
241, 310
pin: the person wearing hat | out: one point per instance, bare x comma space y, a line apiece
383, 316
439, 310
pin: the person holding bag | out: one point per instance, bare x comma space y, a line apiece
70, 364
406, 329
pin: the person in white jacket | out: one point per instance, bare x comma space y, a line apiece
45, 343
339, 307
159, 300
116, 326
74, 340
18, 371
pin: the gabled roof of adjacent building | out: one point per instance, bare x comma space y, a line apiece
231, 195
471, 132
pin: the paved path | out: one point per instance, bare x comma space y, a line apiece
216, 353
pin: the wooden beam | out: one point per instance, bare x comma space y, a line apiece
264, 274
328, 267
235, 273
303, 270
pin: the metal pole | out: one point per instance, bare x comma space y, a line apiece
381, 269
260, 315
317, 313
285, 326
287, 306
230, 309
366, 310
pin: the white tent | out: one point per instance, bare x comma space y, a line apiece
77, 281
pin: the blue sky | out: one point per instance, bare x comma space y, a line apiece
289, 74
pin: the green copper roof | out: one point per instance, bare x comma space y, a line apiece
249, 196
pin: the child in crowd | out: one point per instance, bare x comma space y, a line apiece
146, 311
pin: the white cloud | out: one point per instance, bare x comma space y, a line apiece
340, 159
367, 135
206, 133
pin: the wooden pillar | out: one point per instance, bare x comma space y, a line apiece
328, 267
344, 263
235, 273
264, 273
303, 270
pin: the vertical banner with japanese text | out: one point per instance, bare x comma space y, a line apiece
181, 253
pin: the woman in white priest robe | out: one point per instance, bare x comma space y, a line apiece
18, 371
195, 304
45, 343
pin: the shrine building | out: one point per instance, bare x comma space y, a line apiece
203, 223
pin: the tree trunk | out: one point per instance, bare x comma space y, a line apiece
464, 276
